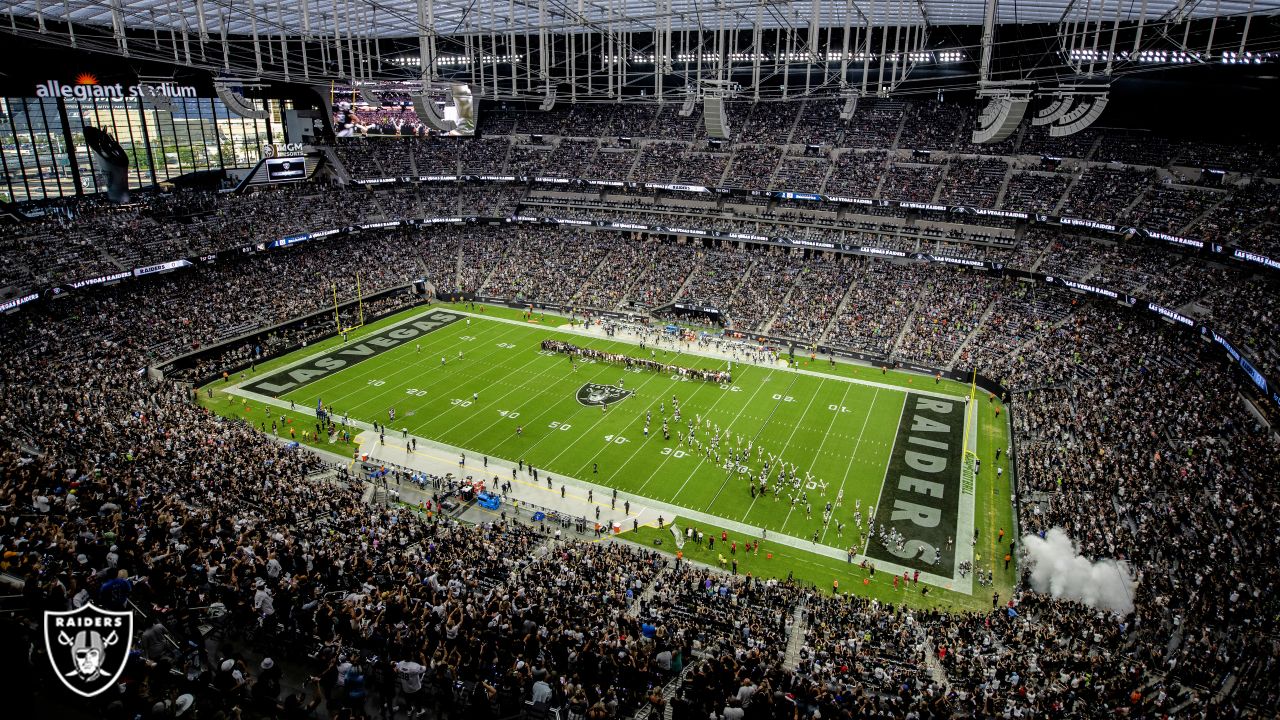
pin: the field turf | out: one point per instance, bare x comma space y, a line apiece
494, 377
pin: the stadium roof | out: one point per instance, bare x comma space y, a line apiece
400, 18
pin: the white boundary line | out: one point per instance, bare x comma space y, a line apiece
691, 349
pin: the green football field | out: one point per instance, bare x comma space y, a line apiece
472, 380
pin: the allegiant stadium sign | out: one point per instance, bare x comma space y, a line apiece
116, 91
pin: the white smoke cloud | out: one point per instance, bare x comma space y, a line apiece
1058, 569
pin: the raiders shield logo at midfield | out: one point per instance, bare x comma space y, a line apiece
597, 394
88, 647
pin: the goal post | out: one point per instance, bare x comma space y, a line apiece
337, 315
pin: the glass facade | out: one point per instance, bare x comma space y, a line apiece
43, 152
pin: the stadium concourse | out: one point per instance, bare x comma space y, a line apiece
270, 580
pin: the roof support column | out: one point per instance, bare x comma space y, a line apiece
988, 40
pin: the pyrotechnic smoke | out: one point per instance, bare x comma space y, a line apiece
1058, 568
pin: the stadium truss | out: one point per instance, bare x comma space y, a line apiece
610, 49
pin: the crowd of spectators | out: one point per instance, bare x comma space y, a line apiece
913, 182
815, 298
1103, 192
973, 181
1170, 209
769, 281
202, 510
1035, 192
753, 166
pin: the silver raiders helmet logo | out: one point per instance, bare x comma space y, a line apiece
597, 394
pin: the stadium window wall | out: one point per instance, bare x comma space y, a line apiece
43, 157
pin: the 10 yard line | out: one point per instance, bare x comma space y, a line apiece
854, 455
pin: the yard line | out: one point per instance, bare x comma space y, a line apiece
534, 420
604, 415
413, 367
727, 425
834, 416
553, 366
640, 445
853, 455
888, 462
783, 526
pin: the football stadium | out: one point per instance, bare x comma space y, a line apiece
615, 360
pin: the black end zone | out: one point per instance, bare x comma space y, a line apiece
920, 497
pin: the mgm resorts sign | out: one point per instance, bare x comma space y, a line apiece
274, 150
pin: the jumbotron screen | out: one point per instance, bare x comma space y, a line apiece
355, 116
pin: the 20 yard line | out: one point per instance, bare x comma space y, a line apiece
834, 416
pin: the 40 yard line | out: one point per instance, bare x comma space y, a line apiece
554, 364
641, 445
600, 419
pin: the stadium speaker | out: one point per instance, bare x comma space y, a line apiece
548, 99
690, 100
1000, 117
112, 162
716, 118
228, 91
1059, 105
431, 114
1085, 112
850, 107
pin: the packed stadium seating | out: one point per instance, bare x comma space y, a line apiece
1129, 435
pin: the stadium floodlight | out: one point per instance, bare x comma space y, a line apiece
1006, 103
